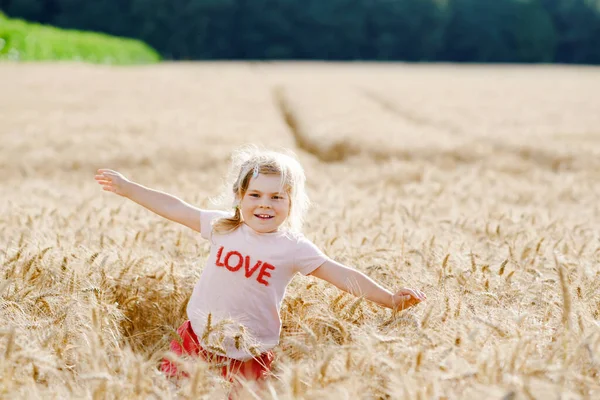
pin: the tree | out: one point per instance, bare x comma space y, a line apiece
533, 35
577, 23
478, 30
409, 30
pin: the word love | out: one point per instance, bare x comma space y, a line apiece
234, 261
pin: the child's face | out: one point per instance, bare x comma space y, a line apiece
265, 205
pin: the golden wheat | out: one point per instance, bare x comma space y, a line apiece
476, 184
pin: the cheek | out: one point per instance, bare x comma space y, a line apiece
247, 202
246, 207
283, 209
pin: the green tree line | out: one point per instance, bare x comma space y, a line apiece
561, 31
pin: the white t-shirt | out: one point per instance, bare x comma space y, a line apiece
243, 284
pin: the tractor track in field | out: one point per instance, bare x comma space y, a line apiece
342, 150
543, 158
337, 152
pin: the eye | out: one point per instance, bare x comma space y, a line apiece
254, 195
277, 197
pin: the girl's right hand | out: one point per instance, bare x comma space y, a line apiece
406, 297
112, 181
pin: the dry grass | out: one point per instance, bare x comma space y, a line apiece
478, 185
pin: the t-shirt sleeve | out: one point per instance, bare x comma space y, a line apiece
308, 257
207, 217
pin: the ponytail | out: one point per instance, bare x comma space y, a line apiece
226, 225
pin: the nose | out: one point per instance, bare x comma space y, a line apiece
265, 203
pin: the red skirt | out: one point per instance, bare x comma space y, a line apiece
257, 368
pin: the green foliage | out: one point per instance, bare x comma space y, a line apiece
534, 38
410, 30
23, 41
577, 26
565, 31
498, 31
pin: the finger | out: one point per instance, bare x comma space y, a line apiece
108, 173
399, 302
109, 188
417, 297
405, 298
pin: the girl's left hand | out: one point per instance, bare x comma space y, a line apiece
406, 297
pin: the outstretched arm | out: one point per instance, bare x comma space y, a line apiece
358, 284
161, 203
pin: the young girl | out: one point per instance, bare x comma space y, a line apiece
255, 252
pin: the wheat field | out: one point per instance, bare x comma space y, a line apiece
477, 184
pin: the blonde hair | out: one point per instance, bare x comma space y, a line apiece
250, 161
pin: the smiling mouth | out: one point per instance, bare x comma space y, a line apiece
263, 216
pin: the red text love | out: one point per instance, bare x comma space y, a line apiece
234, 261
